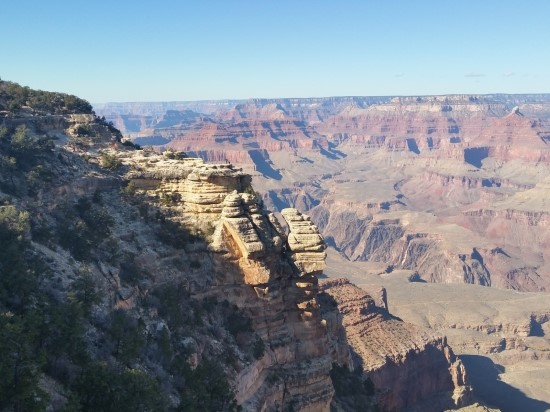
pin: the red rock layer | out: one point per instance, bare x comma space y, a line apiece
410, 368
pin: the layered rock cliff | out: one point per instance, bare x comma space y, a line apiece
139, 280
407, 364
271, 276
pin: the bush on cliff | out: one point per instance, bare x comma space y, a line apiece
13, 97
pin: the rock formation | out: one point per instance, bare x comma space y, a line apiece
155, 276
306, 244
392, 353
272, 277
253, 272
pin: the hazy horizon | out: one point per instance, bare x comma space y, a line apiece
215, 50
313, 97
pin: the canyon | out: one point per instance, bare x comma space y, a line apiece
440, 200
420, 183
157, 281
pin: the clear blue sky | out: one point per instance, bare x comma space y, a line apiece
121, 50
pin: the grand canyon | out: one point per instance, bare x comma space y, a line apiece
344, 254
442, 202
275, 206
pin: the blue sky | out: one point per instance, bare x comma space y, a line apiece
122, 50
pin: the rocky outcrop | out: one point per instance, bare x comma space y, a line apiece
306, 245
197, 188
260, 270
281, 301
407, 365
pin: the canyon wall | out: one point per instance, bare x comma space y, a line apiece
470, 169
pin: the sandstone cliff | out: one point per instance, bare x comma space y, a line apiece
272, 286
446, 189
154, 277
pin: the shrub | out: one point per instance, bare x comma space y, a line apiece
206, 389
84, 130
102, 387
130, 188
17, 96
130, 272
237, 323
128, 335
258, 350
173, 233
130, 144
109, 161
171, 304
352, 388
82, 228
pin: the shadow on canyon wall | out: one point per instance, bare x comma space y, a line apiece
483, 374
263, 166
475, 155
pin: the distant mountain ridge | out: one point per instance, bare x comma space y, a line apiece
208, 106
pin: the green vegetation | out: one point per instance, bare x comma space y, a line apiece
25, 149
170, 154
84, 130
23, 167
107, 388
110, 162
98, 334
130, 189
85, 291
129, 143
237, 323
250, 190
206, 389
82, 227
44, 333
170, 301
128, 336
352, 389
37, 330
258, 349
130, 272
174, 233
13, 97
169, 199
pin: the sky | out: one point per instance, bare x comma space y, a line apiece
168, 50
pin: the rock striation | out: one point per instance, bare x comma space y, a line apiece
407, 364
260, 269
472, 161
271, 275
294, 370
306, 245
